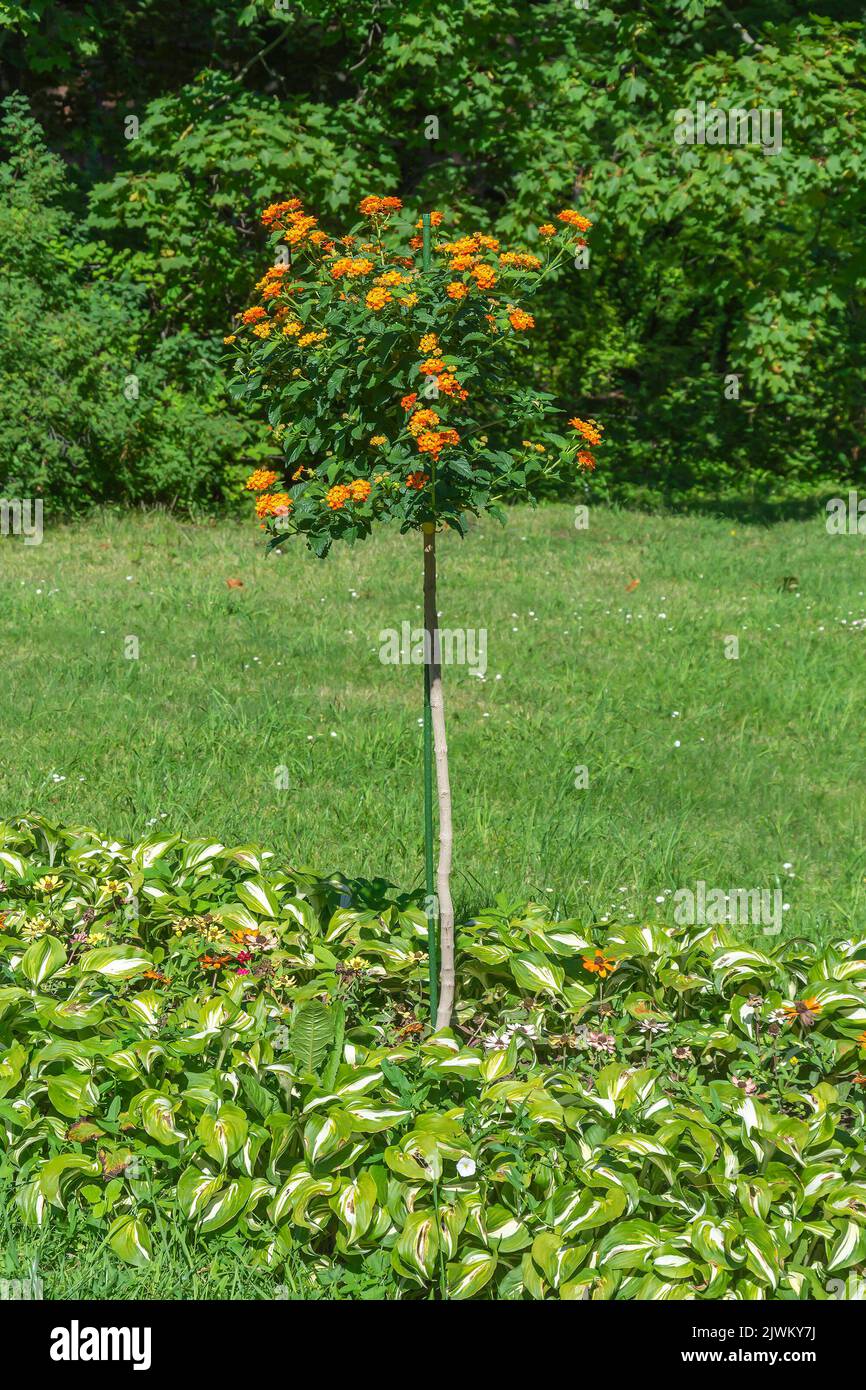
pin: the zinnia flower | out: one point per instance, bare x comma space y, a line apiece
803, 1011
599, 964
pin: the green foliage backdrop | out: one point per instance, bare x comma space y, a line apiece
127, 256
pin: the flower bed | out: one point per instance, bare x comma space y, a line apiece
193, 1033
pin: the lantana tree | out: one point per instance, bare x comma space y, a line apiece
391, 362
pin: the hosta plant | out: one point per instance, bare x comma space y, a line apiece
194, 1033
396, 382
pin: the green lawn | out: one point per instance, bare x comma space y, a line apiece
699, 767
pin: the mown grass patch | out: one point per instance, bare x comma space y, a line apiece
699, 767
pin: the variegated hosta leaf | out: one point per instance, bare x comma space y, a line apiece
224, 1133
354, 1204
129, 1238
117, 962
417, 1156
418, 1244
535, 973
573, 1209
467, 1276
42, 959
227, 1203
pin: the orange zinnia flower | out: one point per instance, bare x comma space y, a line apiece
803, 1011
599, 964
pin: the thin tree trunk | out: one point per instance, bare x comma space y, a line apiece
443, 785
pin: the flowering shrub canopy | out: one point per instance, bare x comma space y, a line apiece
395, 391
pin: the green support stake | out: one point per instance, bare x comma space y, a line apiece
430, 903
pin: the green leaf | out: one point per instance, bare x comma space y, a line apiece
42, 958
130, 1240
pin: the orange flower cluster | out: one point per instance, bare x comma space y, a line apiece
270, 283
254, 315
457, 290
547, 229
435, 220
261, 479
422, 420
356, 491
407, 402
377, 298
431, 366
273, 504
590, 429
450, 386
433, 441
308, 339
519, 319
417, 480
337, 497
391, 278
353, 267
447, 384
274, 215
301, 225
574, 219
379, 207
484, 276
520, 260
